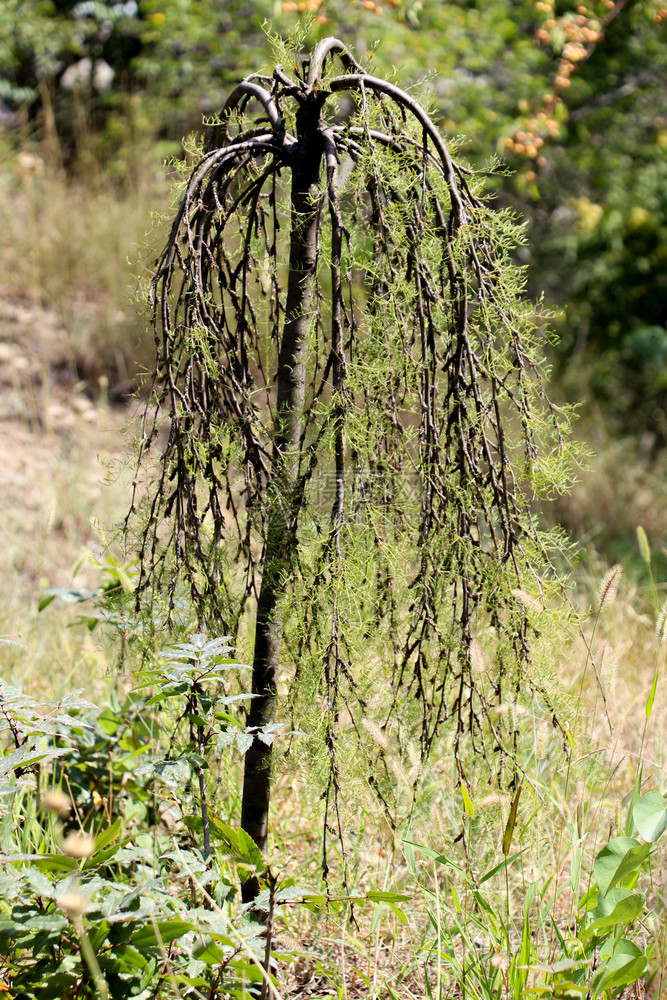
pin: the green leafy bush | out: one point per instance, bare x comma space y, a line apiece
119, 879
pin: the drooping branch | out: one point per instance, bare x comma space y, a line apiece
337, 304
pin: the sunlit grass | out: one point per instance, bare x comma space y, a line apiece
66, 247
80, 246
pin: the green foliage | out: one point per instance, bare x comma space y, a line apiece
492, 68
616, 323
93, 60
107, 886
600, 955
111, 884
600, 228
423, 408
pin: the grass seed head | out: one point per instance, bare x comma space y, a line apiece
644, 547
73, 904
527, 600
661, 624
57, 802
78, 845
609, 587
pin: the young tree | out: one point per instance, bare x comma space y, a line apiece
337, 307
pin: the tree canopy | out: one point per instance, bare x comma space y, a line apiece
358, 421
570, 94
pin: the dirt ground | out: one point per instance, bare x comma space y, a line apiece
61, 457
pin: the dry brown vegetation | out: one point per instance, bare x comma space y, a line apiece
67, 330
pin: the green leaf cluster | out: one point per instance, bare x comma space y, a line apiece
106, 888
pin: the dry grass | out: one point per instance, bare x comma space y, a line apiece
67, 300
79, 247
73, 341
624, 487
61, 455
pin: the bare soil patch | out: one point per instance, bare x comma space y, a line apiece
61, 446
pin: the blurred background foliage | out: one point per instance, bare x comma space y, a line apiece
570, 96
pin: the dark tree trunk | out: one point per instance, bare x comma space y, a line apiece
291, 381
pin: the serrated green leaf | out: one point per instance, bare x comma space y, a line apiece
210, 952
249, 852
315, 899
227, 834
31, 920
224, 739
108, 722
244, 741
266, 738
130, 956
55, 863
13, 760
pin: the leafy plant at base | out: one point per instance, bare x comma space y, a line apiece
392, 359
193, 667
599, 956
110, 886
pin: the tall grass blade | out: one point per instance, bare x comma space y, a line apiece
651, 696
511, 822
